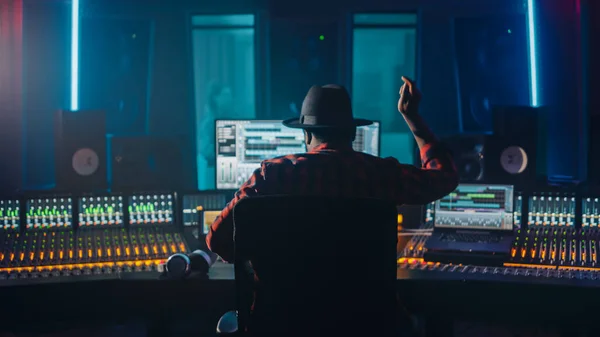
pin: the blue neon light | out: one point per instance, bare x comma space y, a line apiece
533, 67
75, 55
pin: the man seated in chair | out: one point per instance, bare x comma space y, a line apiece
331, 167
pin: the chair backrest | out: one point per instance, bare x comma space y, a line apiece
321, 265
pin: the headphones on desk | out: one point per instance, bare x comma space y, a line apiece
180, 266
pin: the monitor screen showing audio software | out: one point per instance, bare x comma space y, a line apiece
472, 206
243, 144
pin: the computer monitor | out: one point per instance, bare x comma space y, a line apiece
474, 206
243, 144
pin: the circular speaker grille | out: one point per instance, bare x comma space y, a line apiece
85, 162
514, 160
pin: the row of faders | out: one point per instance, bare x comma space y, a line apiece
101, 243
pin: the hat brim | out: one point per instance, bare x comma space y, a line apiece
294, 123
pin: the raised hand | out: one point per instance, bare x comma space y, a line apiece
410, 97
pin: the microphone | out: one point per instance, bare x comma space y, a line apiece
180, 265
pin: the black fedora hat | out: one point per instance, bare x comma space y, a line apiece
329, 107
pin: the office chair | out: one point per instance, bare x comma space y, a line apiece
314, 266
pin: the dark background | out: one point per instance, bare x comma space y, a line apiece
27, 138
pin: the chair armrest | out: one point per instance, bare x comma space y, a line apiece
228, 324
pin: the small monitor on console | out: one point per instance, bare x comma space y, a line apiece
209, 202
49, 212
473, 206
100, 211
243, 144
151, 209
9, 214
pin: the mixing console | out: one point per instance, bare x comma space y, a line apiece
103, 211
89, 235
551, 210
49, 213
151, 209
558, 233
9, 214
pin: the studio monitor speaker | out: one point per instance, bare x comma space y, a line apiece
80, 150
515, 154
468, 154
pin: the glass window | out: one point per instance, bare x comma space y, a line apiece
224, 73
384, 49
235, 20
385, 19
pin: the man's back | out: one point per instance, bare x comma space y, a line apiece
343, 172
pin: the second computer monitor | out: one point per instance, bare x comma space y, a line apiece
243, 144
474, 206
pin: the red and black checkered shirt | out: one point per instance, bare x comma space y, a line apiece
341, 172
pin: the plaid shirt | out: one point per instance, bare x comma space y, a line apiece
341, 172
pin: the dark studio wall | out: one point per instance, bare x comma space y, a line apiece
561, 82
11, 45
171, 104
46, 73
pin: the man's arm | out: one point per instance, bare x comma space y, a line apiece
437, 176
220, 235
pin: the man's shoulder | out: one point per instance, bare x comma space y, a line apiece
289, 159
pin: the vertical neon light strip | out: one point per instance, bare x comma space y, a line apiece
533, 66
75, 55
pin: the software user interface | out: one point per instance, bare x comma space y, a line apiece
488, 207
151, 209
101, 211
52, 212
9, 214
242, 145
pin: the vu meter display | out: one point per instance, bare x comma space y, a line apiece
590, 216
49, 213
551, 209
151, 209
243, 144
101, 211
9, 214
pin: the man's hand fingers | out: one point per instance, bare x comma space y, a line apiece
404, 90
408, 81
